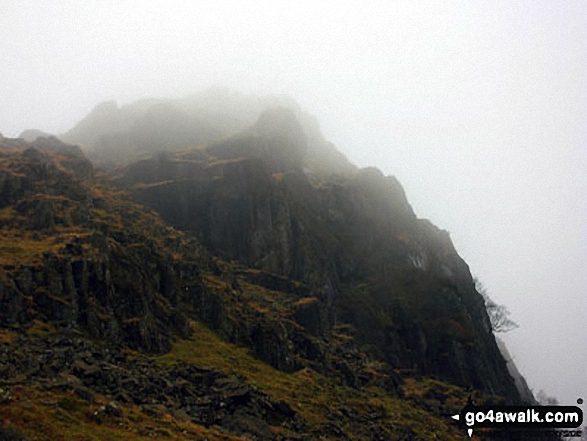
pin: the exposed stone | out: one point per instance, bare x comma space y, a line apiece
356, 245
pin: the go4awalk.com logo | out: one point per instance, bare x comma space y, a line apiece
561, 420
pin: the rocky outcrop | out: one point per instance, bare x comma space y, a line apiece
325, 278
353, 240
77, 262
90, 260
110, 296
31, 135
69, 362
45, 165
112, 135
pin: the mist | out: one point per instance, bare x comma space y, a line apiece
479, 109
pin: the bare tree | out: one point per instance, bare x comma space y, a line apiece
498, 314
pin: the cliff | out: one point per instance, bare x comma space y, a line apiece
257, 296
395, 281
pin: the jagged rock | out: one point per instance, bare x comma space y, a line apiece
200, 395
333, 274
353, 240
31, 135
110, 133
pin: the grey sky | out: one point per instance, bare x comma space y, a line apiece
479, 108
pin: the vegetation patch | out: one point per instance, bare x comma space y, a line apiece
319, 400
50, 415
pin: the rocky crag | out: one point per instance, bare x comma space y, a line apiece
112, 135
352, 239
257, 296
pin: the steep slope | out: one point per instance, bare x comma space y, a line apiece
92, 284
73, 253
394, 280
331, 311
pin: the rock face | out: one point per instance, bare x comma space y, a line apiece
325, 274
110, 296
77, 253
25, 165
353, 240
79, 262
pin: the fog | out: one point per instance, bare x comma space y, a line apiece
479, 109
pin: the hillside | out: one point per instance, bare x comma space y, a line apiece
230, 290
396, 280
